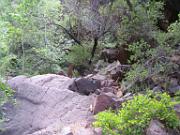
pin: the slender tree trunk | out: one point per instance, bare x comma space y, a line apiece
70, 70
93, 50
130, 5
23, 54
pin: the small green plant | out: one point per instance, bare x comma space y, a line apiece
174, 31
135, 115
5, 94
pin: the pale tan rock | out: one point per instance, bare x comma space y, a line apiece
119, 94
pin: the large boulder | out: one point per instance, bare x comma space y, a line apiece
109, 100
42, 101
85, 86
94, 84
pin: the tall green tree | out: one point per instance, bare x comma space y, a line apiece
30, 39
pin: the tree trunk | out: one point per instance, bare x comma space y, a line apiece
94, 49
70, 70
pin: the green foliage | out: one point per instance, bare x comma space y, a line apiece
32, 39
5, 94
79, 55
151, 48
139, 20
135, 115
153, 62
173, 32
177, 97
8, 64
139, 50
28, 36
150, 64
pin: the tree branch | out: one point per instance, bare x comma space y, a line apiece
70, 35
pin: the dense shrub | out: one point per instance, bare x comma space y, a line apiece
30, 36
154, 63
79, 55
135, 115
139, 20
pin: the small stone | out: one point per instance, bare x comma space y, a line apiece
156, 128
119, 94
97, 131
83, 131
99, 77
127, 95
174, 90
157, 89
66, 131
174, 81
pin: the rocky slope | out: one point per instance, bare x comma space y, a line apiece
43, 101
57, 105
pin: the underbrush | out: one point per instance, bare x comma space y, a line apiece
135, 115
5, 95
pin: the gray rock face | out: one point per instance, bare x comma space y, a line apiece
177, 110
156, 128
42, 101
174, 90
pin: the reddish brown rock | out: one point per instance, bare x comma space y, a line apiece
102, 102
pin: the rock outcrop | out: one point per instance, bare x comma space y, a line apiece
58, 105
53, 104
43, 101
